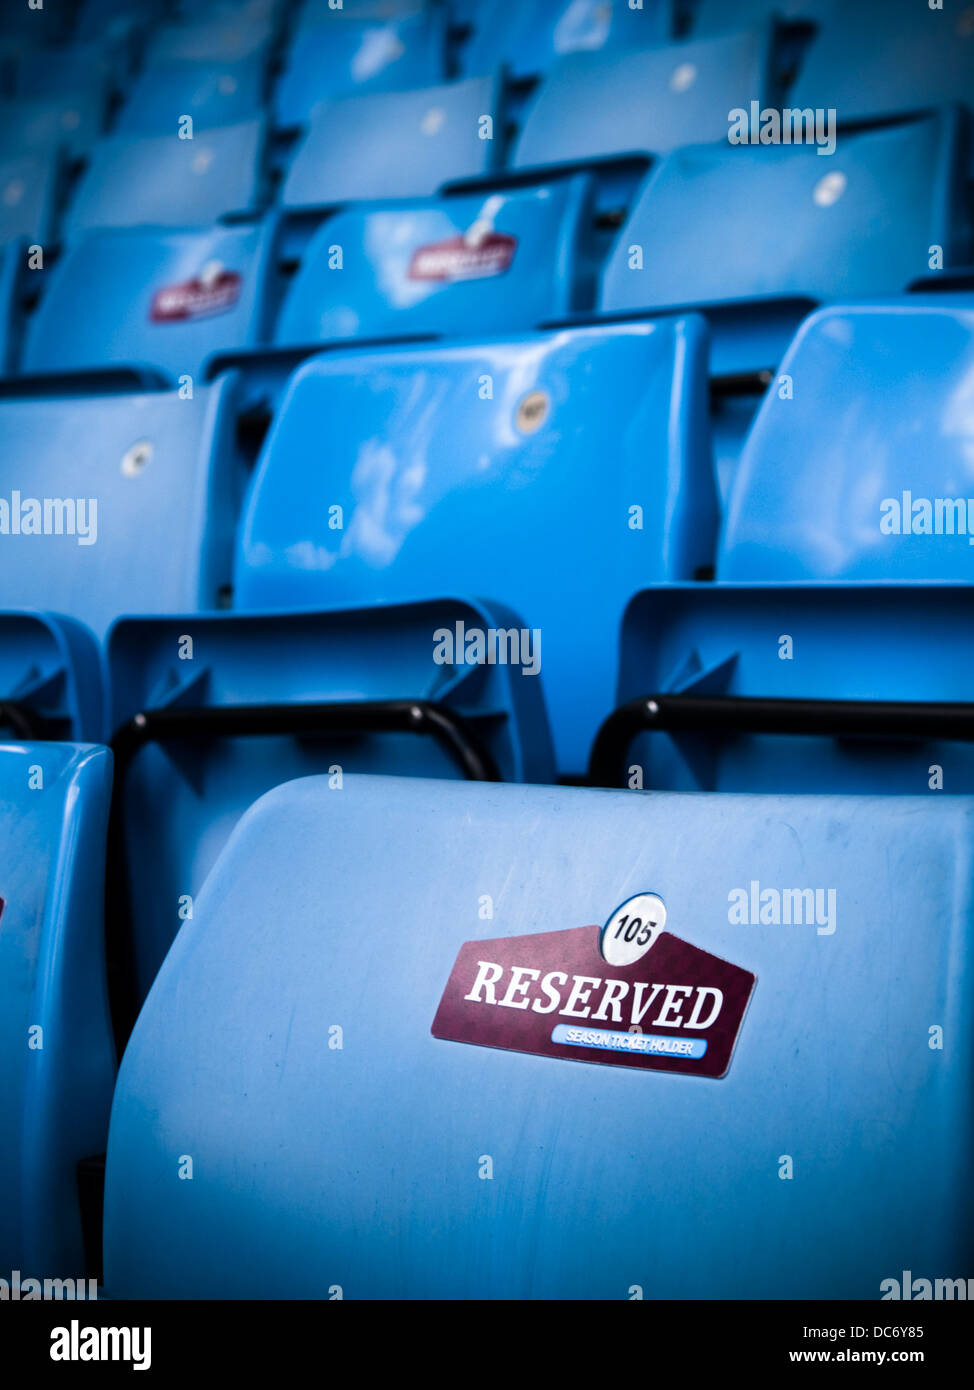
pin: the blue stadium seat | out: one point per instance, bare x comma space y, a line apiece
56, 1049
497, 261
30, 191
51, 683
338, 54
121, 28
227, 37
219, 725
337, 1134
479, 469
795, 229
883, 400
60, 72
612, 105
884, 58
844, 570
73, 122
168, 182
811, 687
530, 36
383, 145
162, 97
146, 296
118, 504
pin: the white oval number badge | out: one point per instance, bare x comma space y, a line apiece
632, 929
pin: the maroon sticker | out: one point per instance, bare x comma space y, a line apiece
196, 299
677, 1008
459, 259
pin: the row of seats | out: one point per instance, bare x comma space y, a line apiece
368, 45
385, 526
181, 524
400, 143
330, 49
172, 299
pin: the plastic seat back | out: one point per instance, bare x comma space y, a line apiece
118, 504
864, 474
341, 967
503, 260
335, 54
384, 145
480, 469
168, 182
529, 37
56, 1047
151, 296
612, 105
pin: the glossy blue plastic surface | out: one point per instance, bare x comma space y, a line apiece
898, 642
317, 1166
169, 182
596, 106
792, 223
72, 120
97, 307
337, 54
57, 1082
161, 98
50, 665
165, 480
375, 292
882, 57
877, 445
529, 36
844, 563
84, 66
226, 37
505, 471
382, 145
29, 192
182, 800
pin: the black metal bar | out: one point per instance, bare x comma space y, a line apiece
25, 722
90, 1177
286, 358
426, 717
121, 380
718, 715
741, 384
943, 282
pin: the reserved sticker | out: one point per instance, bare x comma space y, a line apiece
626, 994
207, 294
463, 258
